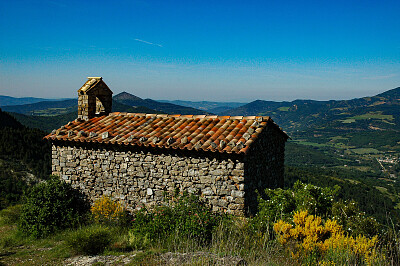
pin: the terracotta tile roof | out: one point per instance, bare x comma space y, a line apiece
225, 134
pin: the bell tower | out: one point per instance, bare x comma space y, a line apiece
94, 99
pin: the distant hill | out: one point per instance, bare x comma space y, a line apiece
8, 100
59, 107
125, 96
219, 110
45, 123
44, 108
391, 94
169, 108
380, 112
120, 107
48, 123
256, 107
212, 107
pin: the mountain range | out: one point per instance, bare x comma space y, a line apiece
211, 107
164, 107
43, 107
7, 100
121, 103
380, 112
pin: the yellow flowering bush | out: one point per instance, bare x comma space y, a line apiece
282, 203
310, 236
106, 210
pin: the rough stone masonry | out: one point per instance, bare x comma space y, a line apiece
140, 177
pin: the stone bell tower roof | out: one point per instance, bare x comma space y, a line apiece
94, 98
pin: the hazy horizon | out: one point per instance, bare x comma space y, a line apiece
206, 100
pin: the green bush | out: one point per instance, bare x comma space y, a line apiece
155, 223
89, 240
51, 206
193, 218
353, 220
137, 241
186, 216
282, 203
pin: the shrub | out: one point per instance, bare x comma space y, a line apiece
108, 211
193, 218
137, 241
89, 240
312, 240
51, 206
282, 204
154, 224
353, 220
187, 216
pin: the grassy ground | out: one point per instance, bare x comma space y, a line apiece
377, 115
284, 108
348, 121
16, 249
229, 246
365, 151
308, 143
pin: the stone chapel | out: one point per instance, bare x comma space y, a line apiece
138, 158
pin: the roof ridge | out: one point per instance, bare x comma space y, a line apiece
252, 117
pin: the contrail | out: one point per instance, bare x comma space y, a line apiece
150, 43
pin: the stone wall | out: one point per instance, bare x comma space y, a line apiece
144, 176
264, 165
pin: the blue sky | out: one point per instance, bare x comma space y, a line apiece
201, 50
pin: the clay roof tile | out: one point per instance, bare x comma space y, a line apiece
223, 134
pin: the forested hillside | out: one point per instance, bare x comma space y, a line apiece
8, 121
379, 112
163, 107
8, 100
24, 158
211, 107
43, 108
